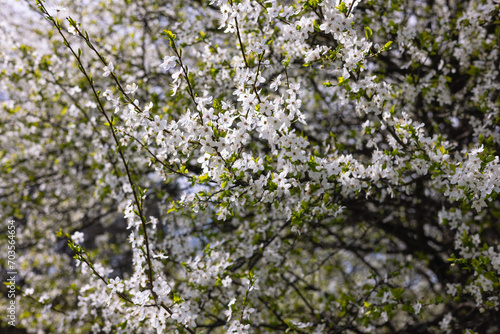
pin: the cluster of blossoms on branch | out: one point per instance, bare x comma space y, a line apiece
249, 166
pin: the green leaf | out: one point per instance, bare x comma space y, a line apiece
342, 8
368, 32
169, 34
203, 178
386, 46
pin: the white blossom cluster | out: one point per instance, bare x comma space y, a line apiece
249, 166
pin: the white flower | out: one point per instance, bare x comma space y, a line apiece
451, 289
444, 324
177, 75
108, 94
43, 297
417, 306
287, 11
259, 47
486, 284
276, 83
129, 211
229, 312
161, 288
226, 281
274, 10
153, 221
78, 237
59, 8
476, 151
160, 256
74, 90
72, 29
168, 63
108, 69
238, 328
130, 89
116, 285
142, 297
